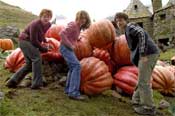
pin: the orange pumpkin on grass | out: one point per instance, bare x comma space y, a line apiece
101, 34
126, 79
163, 80
95, 76
15, 60
6, 44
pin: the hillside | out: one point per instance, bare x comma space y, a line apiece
13, 15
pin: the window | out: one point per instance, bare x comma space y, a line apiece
135, 7
163, 16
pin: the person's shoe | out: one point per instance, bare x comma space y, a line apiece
135, 104
147, 111
79, 98
36, 87
11, 84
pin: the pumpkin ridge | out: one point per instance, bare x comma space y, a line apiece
125, 87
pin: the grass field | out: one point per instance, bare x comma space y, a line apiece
51, 101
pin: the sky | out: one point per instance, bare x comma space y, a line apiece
97, 9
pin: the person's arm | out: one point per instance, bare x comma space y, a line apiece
34, 38
46, 28
137, 31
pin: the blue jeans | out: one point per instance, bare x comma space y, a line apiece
73, 78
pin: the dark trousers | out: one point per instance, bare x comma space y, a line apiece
32, 63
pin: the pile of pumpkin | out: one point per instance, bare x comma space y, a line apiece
104, 59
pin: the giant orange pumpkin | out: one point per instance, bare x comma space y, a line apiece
95, 76
120, 52
15, 60
53, 54
101, 34
6, 44
82, 47
163, 80
104, 56
126, 79
53, 32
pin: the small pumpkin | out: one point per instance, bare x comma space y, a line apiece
163, 80
101, 34
95, 76
15, 60
53, 54
53, 32
120, 52
126, 79
6, 44
82, 47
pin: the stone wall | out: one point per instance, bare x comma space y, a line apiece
10, 32
164, 24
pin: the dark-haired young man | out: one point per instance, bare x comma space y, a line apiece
144, 54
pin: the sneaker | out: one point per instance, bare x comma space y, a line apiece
36, 87
135, 104
79, 98
11, 84
147, 111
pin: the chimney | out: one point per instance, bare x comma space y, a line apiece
157, 4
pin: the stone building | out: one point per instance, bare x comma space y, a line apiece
164, 24
160, 24
140, 14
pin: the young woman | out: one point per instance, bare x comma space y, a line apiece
69, 37
30, 43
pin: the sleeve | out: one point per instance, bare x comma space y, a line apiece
137, 31
34, 37
69, 30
